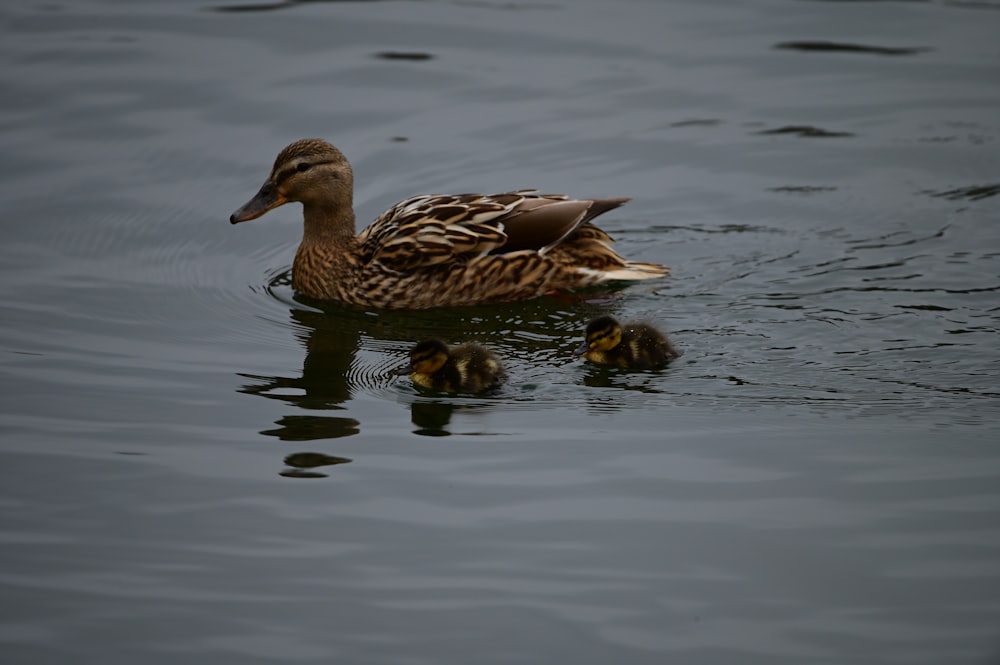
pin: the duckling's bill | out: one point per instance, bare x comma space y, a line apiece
404, 370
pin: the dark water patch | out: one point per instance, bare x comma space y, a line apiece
697, 122
509, 6
802, 189
972, 192
886, 289
403, 55
889, 278
895, 263
272, 6
972, 4
968, 331
951, 390
842, 47
807, 131
928, 308
870, 243
257, 7
721, 228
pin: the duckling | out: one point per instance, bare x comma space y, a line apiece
437, 250
632, 345
466, 368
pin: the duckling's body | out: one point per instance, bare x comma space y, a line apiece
631, 345
437, 250
466, 368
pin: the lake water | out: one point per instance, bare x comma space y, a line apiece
816, 480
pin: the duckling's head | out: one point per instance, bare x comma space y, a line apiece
426, 357
310, 171
603, 334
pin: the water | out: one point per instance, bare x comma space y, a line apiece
200, 467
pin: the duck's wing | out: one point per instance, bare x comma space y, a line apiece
430, 230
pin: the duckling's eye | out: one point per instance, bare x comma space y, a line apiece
302, 167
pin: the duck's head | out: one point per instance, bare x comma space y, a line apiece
310, 171
603, 334
425, 358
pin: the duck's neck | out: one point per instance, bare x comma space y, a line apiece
325, 264
329, 226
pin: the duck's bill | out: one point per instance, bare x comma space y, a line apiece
266, 199
580, 350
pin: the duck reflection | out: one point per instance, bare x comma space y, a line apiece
310, 428
303, 465
331, 344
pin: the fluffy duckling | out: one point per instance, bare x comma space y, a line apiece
467, 368
632, 345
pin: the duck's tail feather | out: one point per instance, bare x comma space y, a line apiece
632, 271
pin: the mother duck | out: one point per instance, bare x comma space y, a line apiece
436, 250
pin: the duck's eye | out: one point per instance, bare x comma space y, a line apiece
302, 167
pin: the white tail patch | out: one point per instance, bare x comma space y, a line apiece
630, 273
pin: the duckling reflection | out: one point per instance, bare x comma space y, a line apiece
466, 368
633, 345
432, 418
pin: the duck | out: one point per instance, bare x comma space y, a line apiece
466, 368
634, 345
439, 249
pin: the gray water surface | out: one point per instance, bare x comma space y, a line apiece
200, 467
